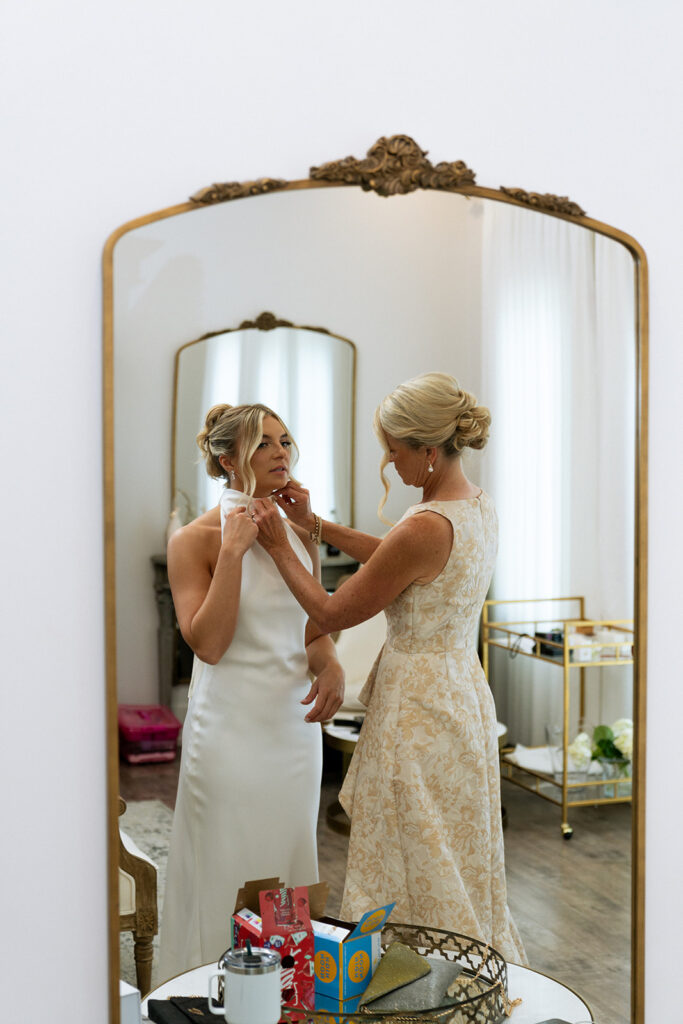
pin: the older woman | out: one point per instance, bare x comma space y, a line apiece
423, 789
249, 786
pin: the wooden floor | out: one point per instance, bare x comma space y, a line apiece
570, 899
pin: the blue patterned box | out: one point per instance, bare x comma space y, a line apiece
346, 956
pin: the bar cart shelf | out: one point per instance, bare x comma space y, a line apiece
589, 648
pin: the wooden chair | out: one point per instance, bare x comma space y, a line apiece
138, 903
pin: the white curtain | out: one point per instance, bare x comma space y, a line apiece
292, 372
558, 372
222, 364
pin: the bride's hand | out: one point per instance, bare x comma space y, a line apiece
239, 530
271, 530
327, 690
295, 502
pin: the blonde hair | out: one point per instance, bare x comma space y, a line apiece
430, 411
236, 431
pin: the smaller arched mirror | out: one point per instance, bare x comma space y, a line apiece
305, 373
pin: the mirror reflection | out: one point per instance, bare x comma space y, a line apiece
536, 315
307, 374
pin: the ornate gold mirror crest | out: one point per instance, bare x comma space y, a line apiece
396, 166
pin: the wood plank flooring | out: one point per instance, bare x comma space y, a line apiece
570, 899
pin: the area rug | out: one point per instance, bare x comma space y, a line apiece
148, 823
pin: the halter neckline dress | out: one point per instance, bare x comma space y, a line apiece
249, 786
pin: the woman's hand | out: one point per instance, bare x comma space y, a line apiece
295, 502
271, 530
327, 690
239, 530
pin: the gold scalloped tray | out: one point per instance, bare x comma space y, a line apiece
481, 996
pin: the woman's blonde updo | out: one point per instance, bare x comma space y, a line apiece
431, 411
236, 431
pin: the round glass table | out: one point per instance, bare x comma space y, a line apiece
542, 997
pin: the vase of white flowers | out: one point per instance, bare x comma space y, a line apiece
613, 750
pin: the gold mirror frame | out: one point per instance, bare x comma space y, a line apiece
396, 166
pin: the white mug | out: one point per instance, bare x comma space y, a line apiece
251, 986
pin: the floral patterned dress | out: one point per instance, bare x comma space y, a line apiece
423, 788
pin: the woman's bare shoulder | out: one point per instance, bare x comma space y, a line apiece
201, 537
427, 523
418, 535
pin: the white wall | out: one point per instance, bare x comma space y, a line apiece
115, 110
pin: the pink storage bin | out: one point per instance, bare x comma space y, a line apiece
147, 732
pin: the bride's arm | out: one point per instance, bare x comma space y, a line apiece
327, 689
206, 603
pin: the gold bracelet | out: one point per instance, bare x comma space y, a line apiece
316, 534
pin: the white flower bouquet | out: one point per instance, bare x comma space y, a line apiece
614, 743
581, 753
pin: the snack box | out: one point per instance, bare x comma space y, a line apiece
273, 916
322, 958
147, 732
347, 955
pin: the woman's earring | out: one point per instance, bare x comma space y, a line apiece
231, 475
430, 468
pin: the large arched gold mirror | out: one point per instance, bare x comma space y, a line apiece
539, 309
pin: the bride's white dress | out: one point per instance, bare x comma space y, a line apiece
250, 771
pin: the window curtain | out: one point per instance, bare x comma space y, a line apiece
558, 372
291, 371
222, 368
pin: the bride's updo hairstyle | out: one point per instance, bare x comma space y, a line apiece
236, 431
430, 411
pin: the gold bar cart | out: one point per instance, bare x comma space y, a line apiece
508, 635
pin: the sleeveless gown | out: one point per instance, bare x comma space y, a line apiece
423, 787
250, 771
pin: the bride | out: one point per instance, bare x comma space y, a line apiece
250, 771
